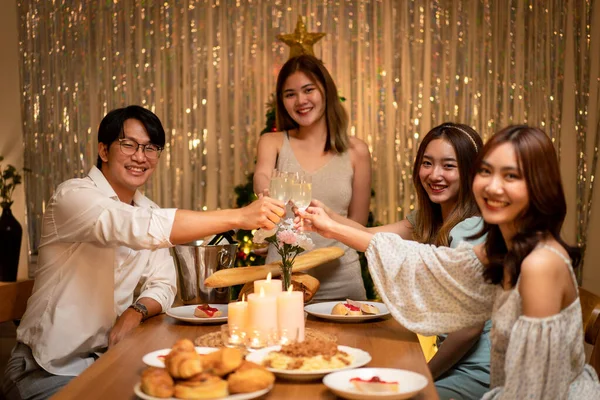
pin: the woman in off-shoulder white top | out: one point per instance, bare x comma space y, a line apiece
436, 289
522, 275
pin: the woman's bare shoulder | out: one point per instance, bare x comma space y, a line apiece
358, 148
276, 135
272, 139
547, 259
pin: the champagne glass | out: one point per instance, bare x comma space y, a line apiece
302, 191
293, 178
278, 186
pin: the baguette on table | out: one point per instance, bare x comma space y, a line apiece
303, 262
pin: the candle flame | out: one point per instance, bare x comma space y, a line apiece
290, 288
269, 277
262, 292
244, 297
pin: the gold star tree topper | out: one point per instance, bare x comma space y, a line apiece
301, 41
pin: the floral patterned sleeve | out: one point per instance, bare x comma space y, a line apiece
430, 290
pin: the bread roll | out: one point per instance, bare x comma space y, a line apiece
237, 276
157, 382
183, 345
201, 386
345, 309
183, 364
223, 361
339, 309
307, 284
250, 377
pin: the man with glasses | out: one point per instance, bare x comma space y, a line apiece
101, 238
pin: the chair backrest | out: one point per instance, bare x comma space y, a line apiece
590, 308
14, 297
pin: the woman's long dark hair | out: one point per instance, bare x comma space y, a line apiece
429, 225
545, 214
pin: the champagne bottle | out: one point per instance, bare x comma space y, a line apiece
216, 239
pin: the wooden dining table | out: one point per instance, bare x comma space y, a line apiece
114, 375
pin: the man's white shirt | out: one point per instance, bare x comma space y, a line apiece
94, 251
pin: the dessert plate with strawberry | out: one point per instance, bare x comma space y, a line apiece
200, 313
375, 383
348, 311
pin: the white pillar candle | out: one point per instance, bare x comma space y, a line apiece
290, 314
237, 314
262, 314
272, 287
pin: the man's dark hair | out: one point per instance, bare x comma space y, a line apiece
111, 127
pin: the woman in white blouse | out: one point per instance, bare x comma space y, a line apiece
522, 275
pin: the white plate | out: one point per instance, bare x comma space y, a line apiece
156, 358
186, 314
323, 310
409, 383
137, 389
359, 356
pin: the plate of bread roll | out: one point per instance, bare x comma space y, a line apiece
199, 313
348, 311
221, 374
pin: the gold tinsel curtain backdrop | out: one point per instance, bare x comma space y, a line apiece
208, 68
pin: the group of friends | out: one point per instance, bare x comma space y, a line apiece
479, 262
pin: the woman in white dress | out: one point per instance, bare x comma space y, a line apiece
522, 276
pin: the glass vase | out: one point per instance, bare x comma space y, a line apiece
286, 273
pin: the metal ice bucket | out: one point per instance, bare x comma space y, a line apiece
195, 262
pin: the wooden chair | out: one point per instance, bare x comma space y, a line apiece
590, 308
14, 297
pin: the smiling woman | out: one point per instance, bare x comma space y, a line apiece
447, 215
442, 179
500, 189
312, 142
517, 187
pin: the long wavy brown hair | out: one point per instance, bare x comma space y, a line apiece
430, 227
335, 114
545, 214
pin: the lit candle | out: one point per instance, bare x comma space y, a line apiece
290, 314
272, 287
237, 314
262, 314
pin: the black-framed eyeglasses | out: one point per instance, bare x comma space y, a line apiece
129, 147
